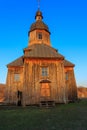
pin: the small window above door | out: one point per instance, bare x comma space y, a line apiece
44, 71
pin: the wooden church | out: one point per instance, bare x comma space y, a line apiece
42, 74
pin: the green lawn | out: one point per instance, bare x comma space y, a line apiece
71, 116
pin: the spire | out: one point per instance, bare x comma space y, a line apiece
38, 15
38, 4
39, 31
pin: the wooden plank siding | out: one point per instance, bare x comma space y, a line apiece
30, 76
13, 86
71, 85
33, 81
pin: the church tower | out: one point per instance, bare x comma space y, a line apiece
39, 31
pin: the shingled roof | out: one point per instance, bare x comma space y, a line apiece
39, 25
18, 62
42, 51
68, 63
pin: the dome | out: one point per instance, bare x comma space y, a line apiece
39, 25
38, 13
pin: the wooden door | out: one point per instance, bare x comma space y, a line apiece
45, 90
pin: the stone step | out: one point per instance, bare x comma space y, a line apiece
47, 104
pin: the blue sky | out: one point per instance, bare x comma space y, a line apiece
67, 21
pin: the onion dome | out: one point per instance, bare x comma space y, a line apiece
39, 24
38, 13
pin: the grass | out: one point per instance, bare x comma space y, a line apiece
71, 116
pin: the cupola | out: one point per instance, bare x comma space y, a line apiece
38, 15
39, 31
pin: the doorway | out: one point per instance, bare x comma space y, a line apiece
45, 91
19, 96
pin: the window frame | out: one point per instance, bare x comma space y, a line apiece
16, 77
44, 71
40, 35
66, 76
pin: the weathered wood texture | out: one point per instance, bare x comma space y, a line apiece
61, 90
33, 77
13, 86
71, 84
33, 39
33, 87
